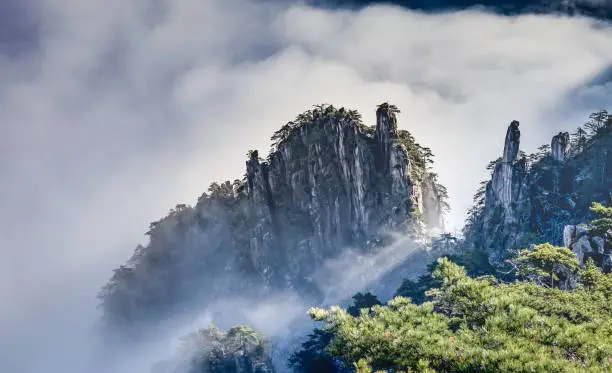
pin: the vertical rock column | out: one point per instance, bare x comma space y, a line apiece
398, 191
559, 146
386, 134
258, 186
502, 176
262, 206
502, 196
512, 142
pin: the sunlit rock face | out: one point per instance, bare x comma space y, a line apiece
512, 142
530, 199
586, 243
507, 176
504, 193
329, 183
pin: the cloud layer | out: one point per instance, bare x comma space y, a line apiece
114, 111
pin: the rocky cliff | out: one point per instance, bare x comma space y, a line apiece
239, 350
587, 243
330, 182
530, 199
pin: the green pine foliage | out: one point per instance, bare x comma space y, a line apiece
483, 325
603, 221
313, 356
318, 114
599, 122
239, 350
363, 302
476, 263
547, 264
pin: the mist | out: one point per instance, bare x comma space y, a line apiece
114, 112
281, 315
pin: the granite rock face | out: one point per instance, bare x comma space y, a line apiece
586, 243
512, 142
560, 146
532, 198
503, 194
330, 182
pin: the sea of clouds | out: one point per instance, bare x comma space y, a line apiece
112, 112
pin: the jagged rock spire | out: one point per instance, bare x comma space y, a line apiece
508, 171
252, 167
559, 146
320, 190
386, 132
512, 143
258, 185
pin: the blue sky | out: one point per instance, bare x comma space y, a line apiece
113, 112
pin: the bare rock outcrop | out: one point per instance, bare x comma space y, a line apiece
586, 243
531, 198
559, 146
503, 194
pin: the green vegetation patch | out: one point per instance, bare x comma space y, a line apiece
483, 325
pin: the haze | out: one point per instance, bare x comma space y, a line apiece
112, 112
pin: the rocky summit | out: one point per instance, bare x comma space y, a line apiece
531, 199
333, 199
329, 182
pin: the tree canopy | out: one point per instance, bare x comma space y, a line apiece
481, 325
313, 357
603, 221
547, 265
239, 350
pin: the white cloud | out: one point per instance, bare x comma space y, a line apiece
127, 108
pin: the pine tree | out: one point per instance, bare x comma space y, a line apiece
603, 221
480, 325
597, 122
545, 263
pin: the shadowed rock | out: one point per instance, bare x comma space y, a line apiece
532, 201
329, 183
512, 142
559, 146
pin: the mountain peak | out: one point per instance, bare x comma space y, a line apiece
330, 182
